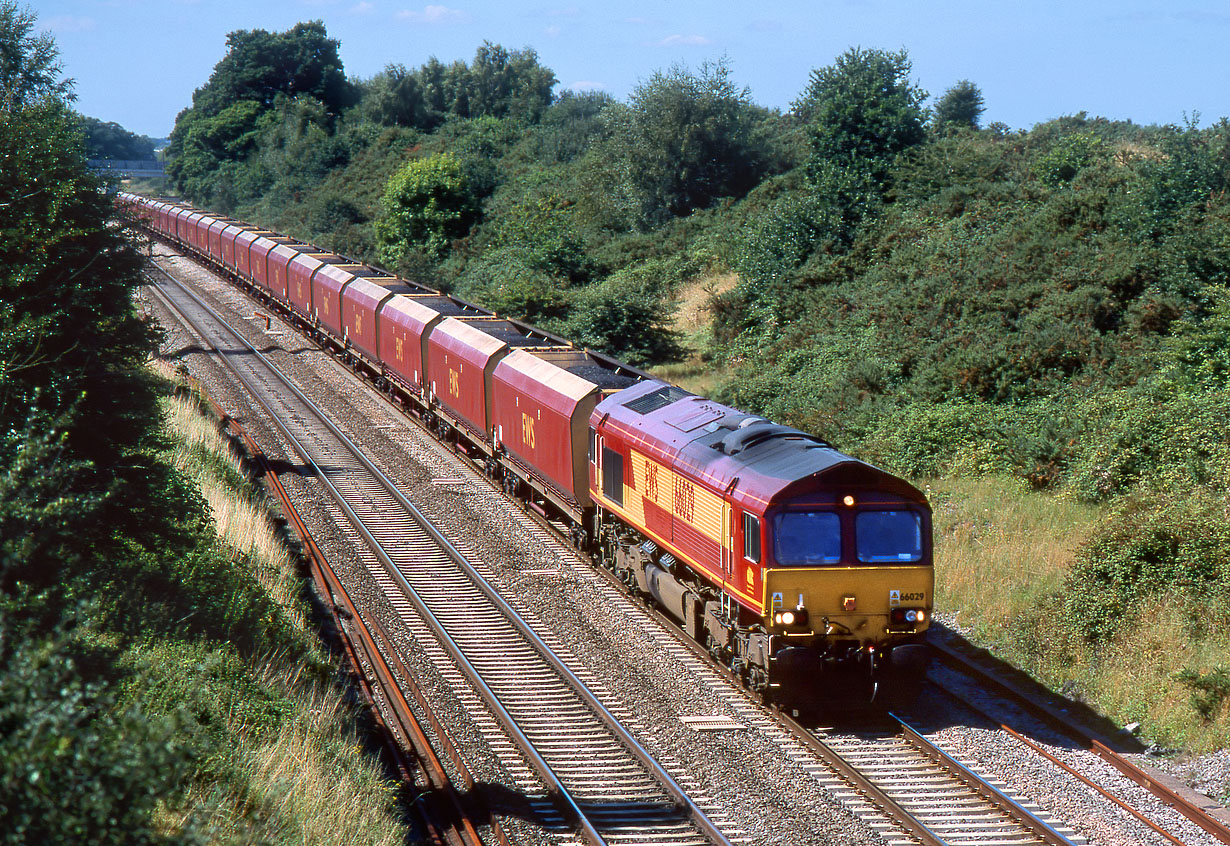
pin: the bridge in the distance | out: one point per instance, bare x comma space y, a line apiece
121, 167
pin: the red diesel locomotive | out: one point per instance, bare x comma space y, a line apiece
806, 571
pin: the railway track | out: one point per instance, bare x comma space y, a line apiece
1201, 812
927, 795
603, 784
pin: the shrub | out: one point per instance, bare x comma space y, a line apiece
626, 316
1155, 543
426, 204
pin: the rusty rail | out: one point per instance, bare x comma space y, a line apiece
1200, 810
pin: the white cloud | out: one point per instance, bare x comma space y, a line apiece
69, 23
689, 40
586, 85
551, 32
434, 15
362, 8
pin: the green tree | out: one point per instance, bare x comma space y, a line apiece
223, 124
29, 63
861, 113
960, 108
259, 65
504, 84
684, 140
112, 141
426, 204
394, 97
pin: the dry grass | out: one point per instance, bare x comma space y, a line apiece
310, 780
694, 312
1001, 549
244, 521
1002, 555
1134, 678
693, 321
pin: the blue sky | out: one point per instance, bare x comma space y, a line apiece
137, 62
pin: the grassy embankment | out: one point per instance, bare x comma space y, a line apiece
284, 760
1003, 557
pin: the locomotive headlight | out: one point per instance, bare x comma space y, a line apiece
922, 616
791, 617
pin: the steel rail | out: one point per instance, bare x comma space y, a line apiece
1199, 814
978, 784
697, 815
895, 811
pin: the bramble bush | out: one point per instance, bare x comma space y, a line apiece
1155, 543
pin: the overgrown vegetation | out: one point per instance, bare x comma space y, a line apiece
1046, 306
157, 681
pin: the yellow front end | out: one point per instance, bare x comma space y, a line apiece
847, 604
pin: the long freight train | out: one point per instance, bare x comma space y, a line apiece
807, 572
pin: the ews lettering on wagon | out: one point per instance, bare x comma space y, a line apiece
454, 383
527, 430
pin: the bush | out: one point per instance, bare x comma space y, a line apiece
627, 316
426, 204
509, 282
1155, 543
75, 766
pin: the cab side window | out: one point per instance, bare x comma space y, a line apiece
613, 475
751, 537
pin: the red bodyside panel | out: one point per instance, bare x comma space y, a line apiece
277, 273
181, 219
541, 416
657, 520
215, 238
250, 255
228, 244
460, 358
327, 284
299, 272
361, 300
404, 328
198, 231
187, 227
166, 219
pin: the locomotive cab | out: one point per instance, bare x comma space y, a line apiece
848, 586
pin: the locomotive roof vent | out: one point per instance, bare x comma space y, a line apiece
654, 400
758, 432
